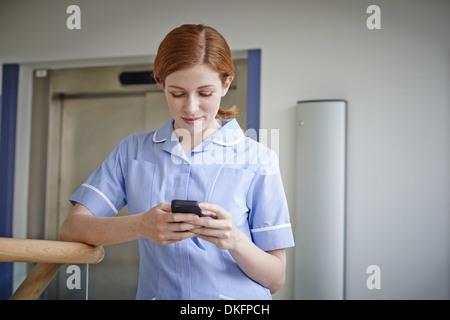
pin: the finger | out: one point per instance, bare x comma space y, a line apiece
178, 236
180, 227
218, 242
209, 223
213, 240
210, 214
181, 217
214, 209
216, 233
175, 237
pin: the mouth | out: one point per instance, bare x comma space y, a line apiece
191, 120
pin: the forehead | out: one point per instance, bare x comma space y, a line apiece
194, 77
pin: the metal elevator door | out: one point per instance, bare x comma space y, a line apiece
83, 114
91, 128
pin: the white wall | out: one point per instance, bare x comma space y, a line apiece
396, 81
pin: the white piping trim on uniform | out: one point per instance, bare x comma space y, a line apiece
242, 137
154, 138
229, 143
101, 194
280, 226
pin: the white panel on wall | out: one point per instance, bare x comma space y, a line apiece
320, 199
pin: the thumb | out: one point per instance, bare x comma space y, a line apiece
164, 206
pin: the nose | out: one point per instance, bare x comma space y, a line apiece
191, 105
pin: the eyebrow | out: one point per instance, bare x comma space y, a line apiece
202, 87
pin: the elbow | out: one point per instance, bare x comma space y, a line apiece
67, 234
277, 285
64, 232
70, 232
74, 227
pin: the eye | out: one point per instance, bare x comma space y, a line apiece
177, 95
206, 94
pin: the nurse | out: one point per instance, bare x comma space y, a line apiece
237, 249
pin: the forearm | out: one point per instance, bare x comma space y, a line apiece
266, 268
157, 225
82, 226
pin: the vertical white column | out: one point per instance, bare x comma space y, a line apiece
320, 199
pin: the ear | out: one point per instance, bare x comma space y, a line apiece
226, 85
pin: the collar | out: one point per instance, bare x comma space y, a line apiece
164, 132
230, 133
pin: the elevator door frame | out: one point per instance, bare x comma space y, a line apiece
33, 137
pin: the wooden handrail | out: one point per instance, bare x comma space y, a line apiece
36, 281
50, 256
27, 250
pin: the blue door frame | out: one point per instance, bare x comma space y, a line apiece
253, 89
8, 114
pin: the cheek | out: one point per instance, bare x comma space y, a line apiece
212, 104
173, 104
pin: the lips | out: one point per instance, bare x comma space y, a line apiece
191, 120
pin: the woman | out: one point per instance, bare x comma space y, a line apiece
236, 250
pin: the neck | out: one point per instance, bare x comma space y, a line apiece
190, 139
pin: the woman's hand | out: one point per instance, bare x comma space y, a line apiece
265, 267
220, 230
163, 227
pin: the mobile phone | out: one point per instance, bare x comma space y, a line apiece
186, 206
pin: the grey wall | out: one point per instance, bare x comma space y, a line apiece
396, 81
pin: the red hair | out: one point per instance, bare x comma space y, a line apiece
190, 45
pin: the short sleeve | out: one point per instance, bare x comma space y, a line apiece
104, 192
269, 215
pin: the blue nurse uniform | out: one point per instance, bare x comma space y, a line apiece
227, 169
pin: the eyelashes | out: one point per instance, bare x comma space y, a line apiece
201, 94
